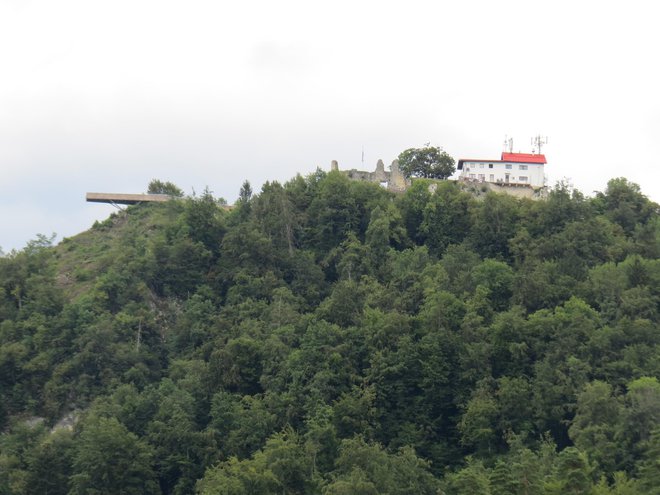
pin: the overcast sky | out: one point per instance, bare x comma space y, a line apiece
104, 96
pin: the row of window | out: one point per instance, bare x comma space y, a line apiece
491, 178
508, 166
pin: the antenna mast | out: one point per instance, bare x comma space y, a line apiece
538, 142
508, 143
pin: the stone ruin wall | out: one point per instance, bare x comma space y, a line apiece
394, 179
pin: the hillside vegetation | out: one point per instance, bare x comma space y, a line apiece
328, 337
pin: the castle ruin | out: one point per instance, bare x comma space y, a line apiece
394, 180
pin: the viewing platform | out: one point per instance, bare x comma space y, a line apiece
126, 199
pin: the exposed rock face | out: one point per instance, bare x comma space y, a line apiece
482, 188
33, 421
67, 422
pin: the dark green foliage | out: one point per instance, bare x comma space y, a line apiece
412, 205
624, 204
446, 218
159, 187
203, 221
332, 213
429, 162
326, 336
494, 224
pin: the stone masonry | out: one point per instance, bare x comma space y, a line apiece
393, 180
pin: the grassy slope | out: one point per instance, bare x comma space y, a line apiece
85, 256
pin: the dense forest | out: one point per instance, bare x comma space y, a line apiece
326, 336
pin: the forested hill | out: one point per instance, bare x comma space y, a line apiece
328, 337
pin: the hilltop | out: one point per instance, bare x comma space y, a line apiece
330, 336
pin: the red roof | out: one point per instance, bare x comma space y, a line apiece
508, 158
523, 158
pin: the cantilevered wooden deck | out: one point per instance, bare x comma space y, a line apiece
126, 199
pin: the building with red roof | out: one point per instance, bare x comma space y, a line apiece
513, 169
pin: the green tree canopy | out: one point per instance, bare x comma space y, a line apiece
429, 162
159, 187
111, 460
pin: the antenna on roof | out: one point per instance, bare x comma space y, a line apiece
538, 142
362, 154
508, 143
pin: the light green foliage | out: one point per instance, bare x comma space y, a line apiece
527, 470
16, 446
110, 460
501, 480
235, 477
282, 466
621, 485
594, 427
366, 468
50, 464
478, 422
472, 479
649, 467
572, 475
642, 413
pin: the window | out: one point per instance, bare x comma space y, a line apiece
472, 176
522, 178
481, 165
467, 169
482, 176
508, 166
522, 167
490, 165
491, 177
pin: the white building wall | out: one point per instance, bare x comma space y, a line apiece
505, 172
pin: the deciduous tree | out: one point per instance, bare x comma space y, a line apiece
430, 162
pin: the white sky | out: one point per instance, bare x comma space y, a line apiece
106, 95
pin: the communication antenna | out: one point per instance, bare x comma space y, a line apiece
508, 143
538, 142
362, 155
